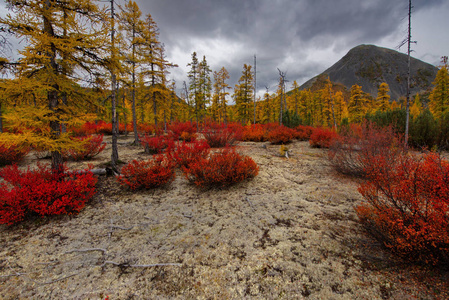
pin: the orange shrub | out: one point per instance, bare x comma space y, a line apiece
222, 168
281, 135
322, 137
254, 133
11, 154
145, 128
407, 206
147, 174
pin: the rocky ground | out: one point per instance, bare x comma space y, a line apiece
290, 233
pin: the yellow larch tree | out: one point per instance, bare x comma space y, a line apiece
357, 106
439, 97
383, 99
61, 36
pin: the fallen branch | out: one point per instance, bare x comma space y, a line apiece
246, 198
126, 265
87, 250
120, 227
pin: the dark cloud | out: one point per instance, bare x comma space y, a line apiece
302, 37
284, 34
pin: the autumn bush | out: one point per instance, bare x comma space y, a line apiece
93, 145
87, 128
322, 137
29, 192
303, 132
407, 206
11, 154
356, 147
187, 153
157, 144
185, 131
104, 128
254, 133
220, 135
147, 174
145, 128
281, 135
222, 168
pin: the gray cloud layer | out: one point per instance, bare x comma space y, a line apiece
302, 37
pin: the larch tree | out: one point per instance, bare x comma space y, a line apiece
61, 36
357, 104
219, 102
243, 94
152, 52
133, 26
194, 86
439, 97
205, 86
416, 108
383, 99
295, 97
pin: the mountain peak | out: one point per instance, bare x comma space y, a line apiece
370, 65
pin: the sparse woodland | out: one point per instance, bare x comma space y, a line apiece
88, 114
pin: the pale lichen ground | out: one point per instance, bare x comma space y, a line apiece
290, 233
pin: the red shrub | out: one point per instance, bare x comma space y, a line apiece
43, 192
11, 154
87, 128
157, 144
147, 174
303, 133
187, 153
255, 133
104, 128
222, 168
281, 135
408, 206
145, 128
93, 146
219, 135
185, 131
353, 151
322, 137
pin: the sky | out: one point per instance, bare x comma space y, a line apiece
302, 38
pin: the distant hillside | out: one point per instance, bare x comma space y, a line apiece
369, 66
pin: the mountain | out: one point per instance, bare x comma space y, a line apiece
369, 66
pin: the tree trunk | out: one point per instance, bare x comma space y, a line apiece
1, 119
114, 154
133, 95
52, 96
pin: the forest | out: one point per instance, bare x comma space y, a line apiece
92, 78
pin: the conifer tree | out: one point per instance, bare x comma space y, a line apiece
383, 99
133, 27
439, 97
243, 95
60, 36
219, 102
357, 107
416, 108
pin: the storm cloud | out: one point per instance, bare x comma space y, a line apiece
300, 37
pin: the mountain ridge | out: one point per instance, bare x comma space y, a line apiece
370, 65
